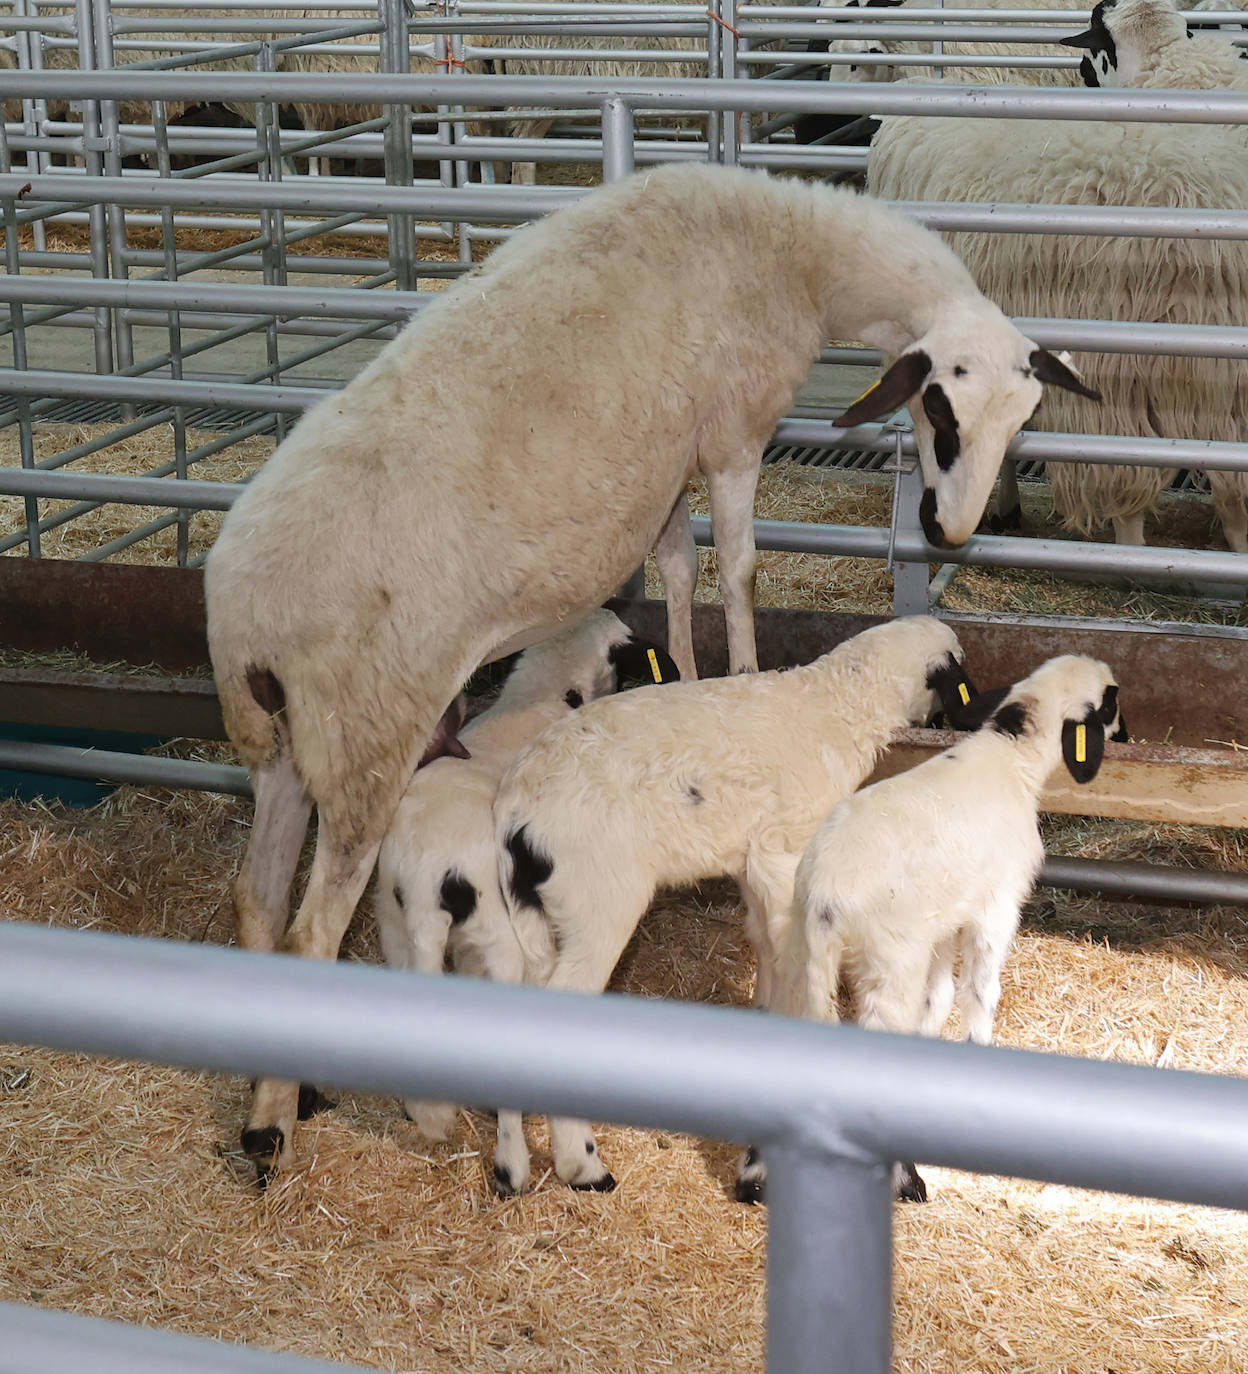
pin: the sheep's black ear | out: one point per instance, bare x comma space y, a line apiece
639, 663
1089, 38
1050, 369
954, 690
893, 389
981, 709
1083, 745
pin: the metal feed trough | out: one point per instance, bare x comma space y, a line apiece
135, 328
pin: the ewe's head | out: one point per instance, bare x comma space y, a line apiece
1123, 39
1072, 695
971, 382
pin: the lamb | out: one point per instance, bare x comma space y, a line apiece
437, 884
1147, 44
693, 781
1178, 280
508, 460
913, 872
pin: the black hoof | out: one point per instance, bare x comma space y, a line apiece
751, 1190
311, 1101
910, 1186
503, 1186
605, 1184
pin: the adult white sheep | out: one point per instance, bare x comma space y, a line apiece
1147, 44
1199, 281
437, 874
665, 787
912, 872
509, 459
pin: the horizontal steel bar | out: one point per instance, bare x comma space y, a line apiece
719, 1072
1146, 880
1199, 107
38, 1340
70, 761
288, 400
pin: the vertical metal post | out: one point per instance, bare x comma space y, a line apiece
272, 220
617, 138
714, 67
110, 131
94, 164
29, 53
17, 323
910, 594
726, 10
829, 1262
397, 140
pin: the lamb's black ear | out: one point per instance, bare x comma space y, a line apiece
954, 690
981, 709
639, 663
894, 389
1050, 369
1083, 745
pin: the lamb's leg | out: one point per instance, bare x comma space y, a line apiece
985, 949
732, 526
339, 875
677, 557
940, 989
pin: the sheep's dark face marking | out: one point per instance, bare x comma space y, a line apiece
1102, 52
1011, 719
944, 423
530, 868
573, 698
457, 897
639, 663
1111, 717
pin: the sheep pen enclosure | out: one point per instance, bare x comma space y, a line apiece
197, 246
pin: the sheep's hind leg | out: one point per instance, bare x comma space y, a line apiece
262, 889
985, 949
339, 875
676, 555
732, 525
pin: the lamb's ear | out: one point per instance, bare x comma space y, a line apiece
893, 390
981, 709
1083, 745
1050, 369
639, 663
445, 742
954, 690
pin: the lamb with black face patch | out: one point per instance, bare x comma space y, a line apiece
934, 864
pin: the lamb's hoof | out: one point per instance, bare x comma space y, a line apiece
502, 1182
751, 1190
264, 1147
311, 1101
605, 1184
910, 1185
1011, 520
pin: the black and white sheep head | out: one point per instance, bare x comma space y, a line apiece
1074, 696
1119, 41
971, 383
925, 643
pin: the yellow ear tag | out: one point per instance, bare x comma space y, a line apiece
964, 694
1081, 744
654, 665
859, 399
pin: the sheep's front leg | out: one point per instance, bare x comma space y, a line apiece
336, 883
732, 527
677, 557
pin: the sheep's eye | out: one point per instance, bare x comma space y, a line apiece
959, 371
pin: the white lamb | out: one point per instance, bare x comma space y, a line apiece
1200, 281
507, 461
697, 780
912, 873
437, 874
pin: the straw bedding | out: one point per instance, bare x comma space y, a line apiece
127, 1197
